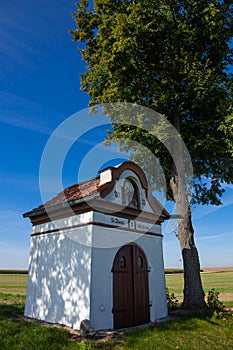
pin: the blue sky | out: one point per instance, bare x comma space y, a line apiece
39, 89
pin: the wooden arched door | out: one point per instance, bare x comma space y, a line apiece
130, 288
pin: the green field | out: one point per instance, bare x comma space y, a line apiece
13, 284
198, 333
221, 281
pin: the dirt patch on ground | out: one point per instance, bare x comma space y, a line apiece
226, 297
217, 269
12, 291
112, 337
222, 296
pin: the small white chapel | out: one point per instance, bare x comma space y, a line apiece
96, 253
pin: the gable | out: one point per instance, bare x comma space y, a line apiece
130, 173
123, 189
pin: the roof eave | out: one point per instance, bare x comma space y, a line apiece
53, 208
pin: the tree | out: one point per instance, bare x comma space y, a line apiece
173, 57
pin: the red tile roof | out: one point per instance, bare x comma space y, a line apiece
93, 188
73, 192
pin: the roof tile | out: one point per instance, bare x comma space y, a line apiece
73, 192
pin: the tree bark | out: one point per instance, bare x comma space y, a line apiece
193, 290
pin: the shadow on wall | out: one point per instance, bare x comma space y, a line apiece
59, 280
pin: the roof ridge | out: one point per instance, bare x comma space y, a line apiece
81, 183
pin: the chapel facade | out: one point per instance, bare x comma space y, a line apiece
96, 253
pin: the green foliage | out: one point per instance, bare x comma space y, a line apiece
213, 300
85, 346
216, 306
172, 302
173, 57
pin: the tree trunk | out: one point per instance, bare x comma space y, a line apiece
193, 290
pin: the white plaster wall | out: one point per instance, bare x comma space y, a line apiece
102, 279
101, 288
65, 222
69, 281
152, 247
59, 280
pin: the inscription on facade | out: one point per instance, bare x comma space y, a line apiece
143, 227
117, 221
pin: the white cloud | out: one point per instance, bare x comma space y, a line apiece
214, 237
23, 113
202, 211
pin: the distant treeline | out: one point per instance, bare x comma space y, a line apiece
13, 272
172, 271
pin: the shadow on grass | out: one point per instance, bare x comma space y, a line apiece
18, 334
178, 324
10, 311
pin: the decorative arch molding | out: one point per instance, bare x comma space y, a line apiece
116, 174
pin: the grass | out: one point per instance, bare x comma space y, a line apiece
221, 281
13, 283
19, 334
196, 333
188, 333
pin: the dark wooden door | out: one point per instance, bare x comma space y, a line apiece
130, 288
